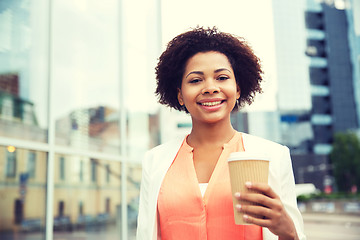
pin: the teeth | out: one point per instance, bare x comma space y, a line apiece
210, 103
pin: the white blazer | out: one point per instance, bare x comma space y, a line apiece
158, 160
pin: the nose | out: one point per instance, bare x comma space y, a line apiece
210, 87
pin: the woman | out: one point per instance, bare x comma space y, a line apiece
185, 190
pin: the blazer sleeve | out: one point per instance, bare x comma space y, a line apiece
288, 196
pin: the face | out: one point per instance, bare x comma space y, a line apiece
208, 89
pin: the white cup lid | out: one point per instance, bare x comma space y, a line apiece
235, 156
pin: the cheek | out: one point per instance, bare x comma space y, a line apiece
187, 98
233, 91
189, 93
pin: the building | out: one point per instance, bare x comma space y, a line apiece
265, 125
332, 51
293, 91
23, 180
173, 124
65, 96
353, 18
333, 97
17, 115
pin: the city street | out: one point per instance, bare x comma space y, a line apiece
320, 226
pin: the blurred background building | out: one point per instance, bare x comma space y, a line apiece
330, 44
317, 62
77, 109
71, 135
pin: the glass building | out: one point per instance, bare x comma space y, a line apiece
333, 71
334, 84
353, 19
293, 92
76, 116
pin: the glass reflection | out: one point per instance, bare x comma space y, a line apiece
22, 193
85, 74
23, 68
94, 128
133, 191
87, 197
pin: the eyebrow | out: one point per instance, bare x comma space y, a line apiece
202, 73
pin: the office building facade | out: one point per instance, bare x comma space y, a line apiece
331, 75
72, 131
334, 83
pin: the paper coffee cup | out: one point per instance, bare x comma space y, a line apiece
246, 167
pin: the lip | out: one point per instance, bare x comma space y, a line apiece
205, 100
211, 101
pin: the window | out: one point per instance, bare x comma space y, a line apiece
19, 211
11, 163
81, 208
28, 114
7, 111
31, 164
93, 170
83, 123
61, 208
107, 167
107, 205
62, 168
81, 171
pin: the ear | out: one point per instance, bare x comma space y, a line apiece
180, 98
238, 92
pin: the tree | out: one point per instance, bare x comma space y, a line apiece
345, 158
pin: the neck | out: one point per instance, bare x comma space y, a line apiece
210, 133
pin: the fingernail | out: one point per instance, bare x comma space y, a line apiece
238, 206
248, 184
237, 194
246, 217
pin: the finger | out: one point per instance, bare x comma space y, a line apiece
256, 199
258, 187
257, 221
262, 200
256, 211
262, 187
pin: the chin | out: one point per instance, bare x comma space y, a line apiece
214, 120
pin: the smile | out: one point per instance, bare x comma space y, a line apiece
210, 104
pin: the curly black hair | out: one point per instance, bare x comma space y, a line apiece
172, 63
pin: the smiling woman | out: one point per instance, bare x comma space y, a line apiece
185, 191
244, 64
208, 87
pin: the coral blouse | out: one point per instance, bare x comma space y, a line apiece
185, 214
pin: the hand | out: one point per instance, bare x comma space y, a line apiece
269, 205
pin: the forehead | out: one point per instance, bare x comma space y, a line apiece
204, 60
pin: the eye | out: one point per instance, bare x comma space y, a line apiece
222, 77
195, 80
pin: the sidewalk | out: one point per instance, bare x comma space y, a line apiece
331, 218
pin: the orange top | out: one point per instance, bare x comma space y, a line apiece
185, 214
